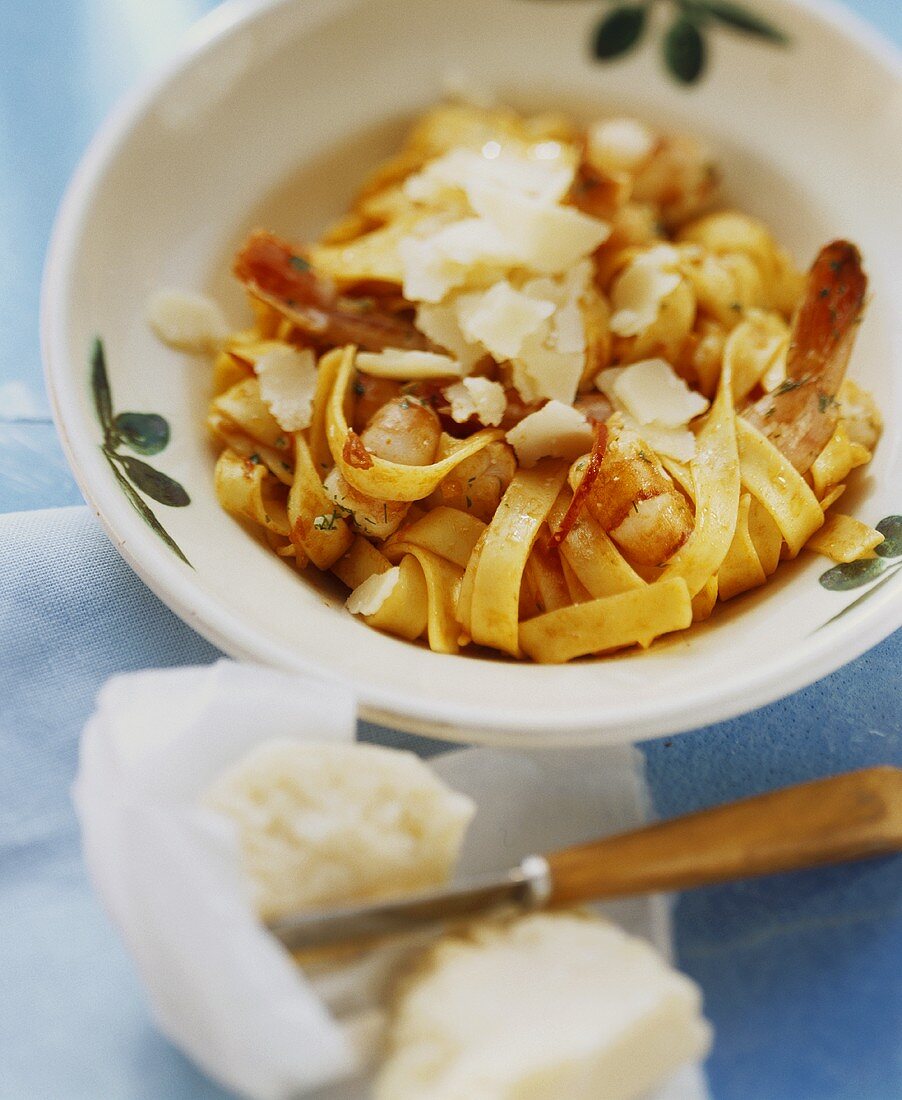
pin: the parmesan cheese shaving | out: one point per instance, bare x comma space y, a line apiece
501, 318
678, 443
556, 431
548, 239
407, 365
287, 385
186, 321
641, 288
367, 598
477, 397
656, 403
440, 324
654, 393
467, 252
466, 170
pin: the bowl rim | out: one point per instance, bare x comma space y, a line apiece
748, 689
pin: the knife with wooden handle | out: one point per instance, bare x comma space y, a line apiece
837, 820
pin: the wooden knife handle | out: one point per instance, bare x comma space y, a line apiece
848, 817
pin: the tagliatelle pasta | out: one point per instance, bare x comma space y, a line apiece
536, 395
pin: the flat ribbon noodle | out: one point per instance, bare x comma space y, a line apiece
614, 622
316, 527
244, 488
442, 581
844, 539
380, 478
772, 479
326, 372
406, 611
360, 562
741, 569
715, 473
445, 531
503, 553
594, 559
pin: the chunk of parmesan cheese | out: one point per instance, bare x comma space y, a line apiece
467, 252
466, 169
477, 397
368, 597
326, 824
406, 365
439, 323
187, 321
619, 144
678, 443
656, 403
501, 318
546, 238
555, 431
653, 393
548, 1006
641, 287
287, 384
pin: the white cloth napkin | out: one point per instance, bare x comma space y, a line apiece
168, 871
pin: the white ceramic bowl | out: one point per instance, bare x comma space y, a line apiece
271, 115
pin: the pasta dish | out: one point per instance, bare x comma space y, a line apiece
539, 392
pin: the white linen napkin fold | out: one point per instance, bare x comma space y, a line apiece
167, 869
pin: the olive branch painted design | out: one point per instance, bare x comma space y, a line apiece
856, 574
684, 47
145, 434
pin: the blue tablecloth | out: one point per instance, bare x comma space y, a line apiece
801, 975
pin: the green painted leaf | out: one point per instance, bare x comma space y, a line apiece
146, 433
160, 487
100, 384
739, 18
618, 32
144, 512
887, 576
684, 50
891, 529
853, 574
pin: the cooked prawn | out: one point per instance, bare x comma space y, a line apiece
801, 415
276, 274
479, 482
403, 430
634, 499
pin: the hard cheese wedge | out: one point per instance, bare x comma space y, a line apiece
547, 1007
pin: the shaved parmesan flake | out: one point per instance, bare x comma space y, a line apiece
501, 318
477, 397
678, 443
619, 144
604, 381
542, 371
466, 169
439, 323
556, 430
186, 321
367, 598
463, 253
287, 385
653, 393
547, 238
407, 365
640, 289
